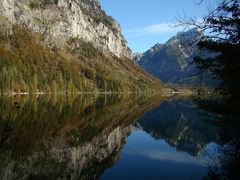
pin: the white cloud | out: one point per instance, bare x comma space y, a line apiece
153, 29
177, 157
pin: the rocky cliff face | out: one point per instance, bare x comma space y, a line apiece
60, 20
173, 61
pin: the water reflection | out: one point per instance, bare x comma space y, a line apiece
64, 137
172, 141
181, 124
107, 137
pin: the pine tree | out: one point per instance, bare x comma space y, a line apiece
224, 40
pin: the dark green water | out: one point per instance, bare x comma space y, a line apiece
109, 137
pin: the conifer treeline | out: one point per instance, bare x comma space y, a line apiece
26, 65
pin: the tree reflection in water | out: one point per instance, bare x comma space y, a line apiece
65, 136
79, 137
227, 111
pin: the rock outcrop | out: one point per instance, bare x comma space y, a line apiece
172, 62
59, 20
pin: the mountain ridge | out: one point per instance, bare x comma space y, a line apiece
172, 62
63, 19
65, 46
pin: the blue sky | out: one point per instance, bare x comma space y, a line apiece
146, 22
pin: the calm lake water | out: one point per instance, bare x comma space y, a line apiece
106, 137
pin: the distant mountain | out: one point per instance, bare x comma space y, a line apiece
172, 62
137, 56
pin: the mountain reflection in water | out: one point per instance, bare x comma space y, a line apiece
107, 137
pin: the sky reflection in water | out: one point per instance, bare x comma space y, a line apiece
106, 137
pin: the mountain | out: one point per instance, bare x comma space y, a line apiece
136, 57
60, 20
172, 62
65, 46
187, 129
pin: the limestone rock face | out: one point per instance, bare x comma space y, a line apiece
60, 20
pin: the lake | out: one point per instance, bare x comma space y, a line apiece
106, 137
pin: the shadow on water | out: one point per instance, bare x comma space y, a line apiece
227, 109
181, 124
73, 137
